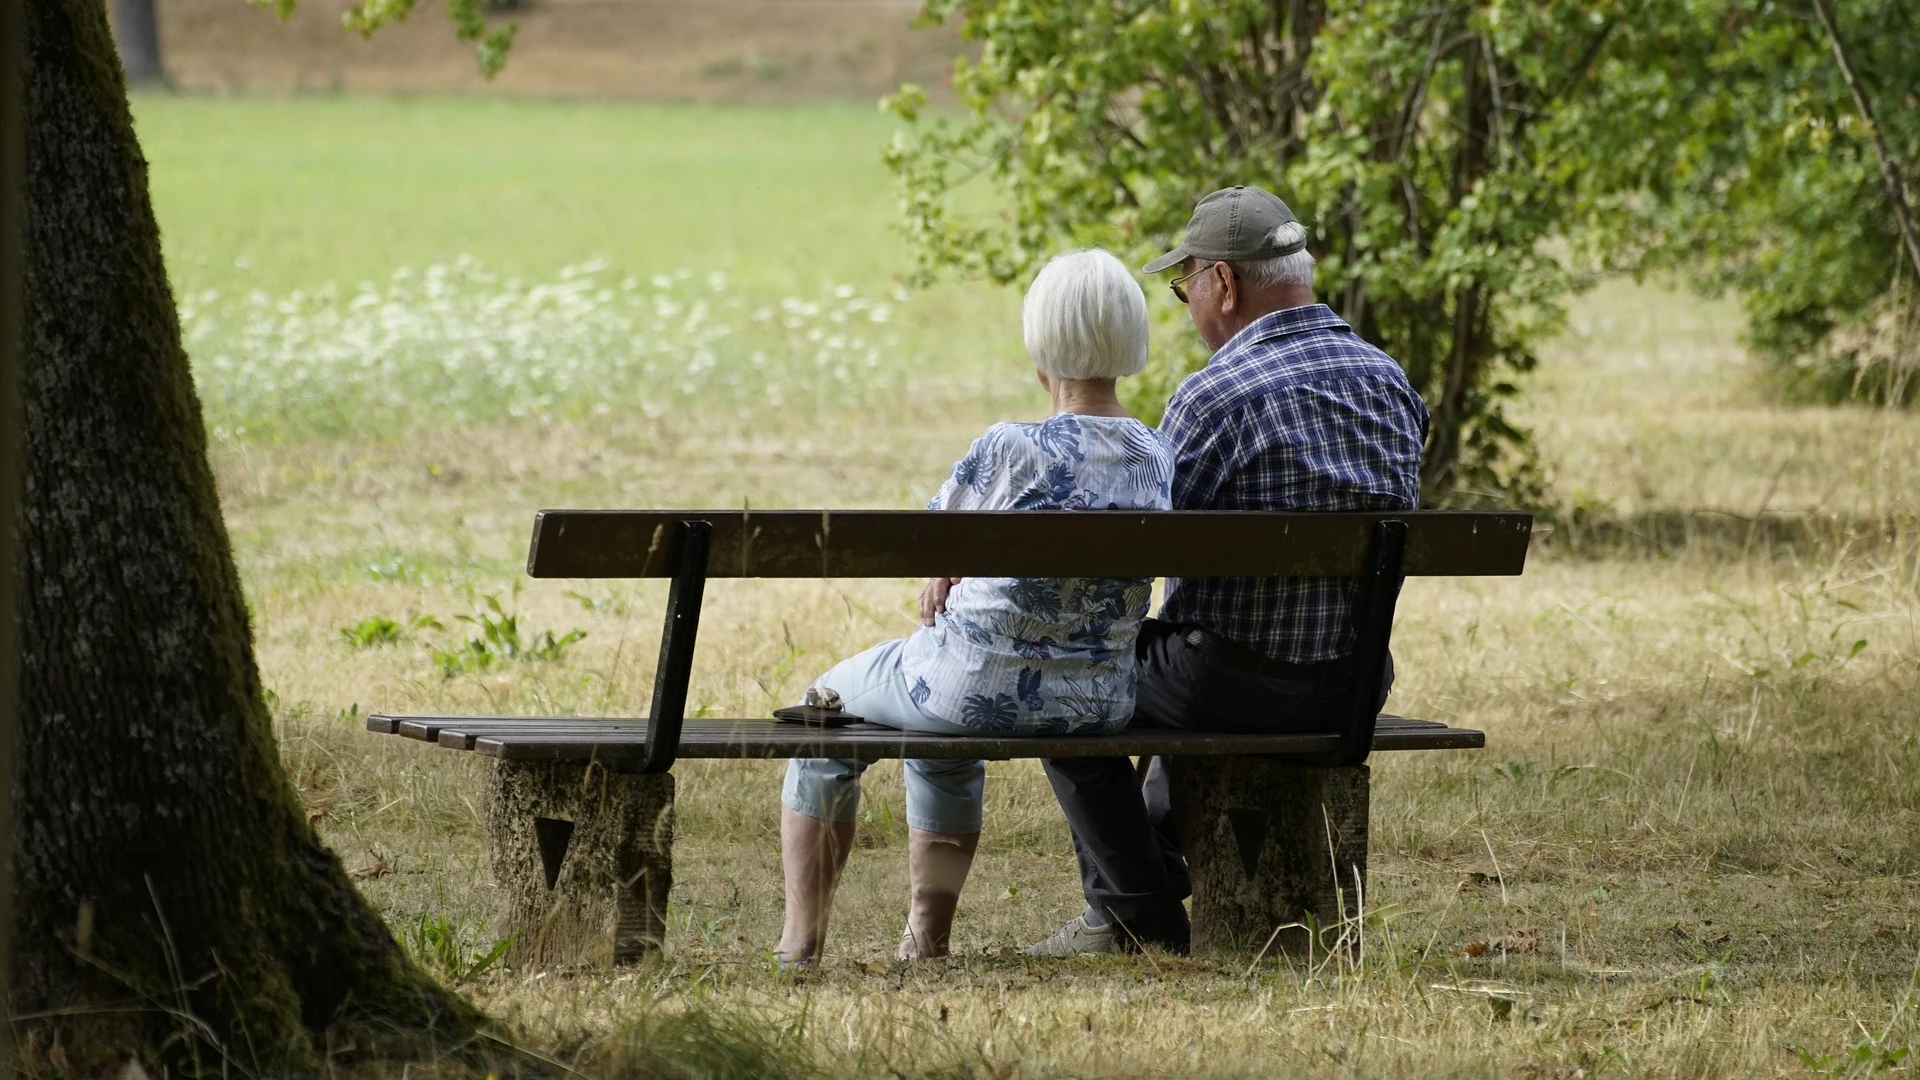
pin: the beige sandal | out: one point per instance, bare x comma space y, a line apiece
909, 950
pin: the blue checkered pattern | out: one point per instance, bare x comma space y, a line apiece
1295, 413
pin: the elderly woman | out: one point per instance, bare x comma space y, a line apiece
1003, 655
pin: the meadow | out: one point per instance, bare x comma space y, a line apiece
1691, 847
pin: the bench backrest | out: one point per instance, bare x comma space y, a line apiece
1036, 543
690, 546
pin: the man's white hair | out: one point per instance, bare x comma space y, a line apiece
1294, 269
1085, 317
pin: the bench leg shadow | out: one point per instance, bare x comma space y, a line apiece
1271, 843
582, 859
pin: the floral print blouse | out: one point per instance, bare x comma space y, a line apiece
1042, 656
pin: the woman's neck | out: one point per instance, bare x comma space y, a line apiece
1085, 397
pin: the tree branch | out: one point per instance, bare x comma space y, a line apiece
1126, 133
1498, 118
1526, 115
1410, 115
1889, 168
1586, 61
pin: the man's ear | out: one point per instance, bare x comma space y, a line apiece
1229, 287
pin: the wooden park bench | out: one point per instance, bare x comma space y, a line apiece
579, 812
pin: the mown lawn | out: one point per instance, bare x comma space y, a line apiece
1694, 828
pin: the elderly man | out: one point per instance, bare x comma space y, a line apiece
1293, 412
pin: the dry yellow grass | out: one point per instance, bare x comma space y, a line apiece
1697, 822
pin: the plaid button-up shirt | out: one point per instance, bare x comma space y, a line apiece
1295, 413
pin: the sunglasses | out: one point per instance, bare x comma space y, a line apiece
1178, 285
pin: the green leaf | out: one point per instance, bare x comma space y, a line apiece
371, 631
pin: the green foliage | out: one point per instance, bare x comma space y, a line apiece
1768, 184
376, 630
1175, 352
454, 950
1865, 1057
371, 631
490, 44
1433, 149
500, 639
469, 24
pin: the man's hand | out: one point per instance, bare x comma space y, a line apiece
933, 598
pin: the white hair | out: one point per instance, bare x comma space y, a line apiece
1085, 317
1294, 269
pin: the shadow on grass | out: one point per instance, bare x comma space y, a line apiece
712, 1045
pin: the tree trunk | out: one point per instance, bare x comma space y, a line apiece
136, 28
172, 901
1439, 468
13, 145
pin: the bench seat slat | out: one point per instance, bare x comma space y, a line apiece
1021, 543
615, 741
460, 731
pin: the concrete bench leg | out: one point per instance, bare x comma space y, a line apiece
1270, 843
583, 859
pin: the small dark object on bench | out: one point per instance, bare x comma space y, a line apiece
815, 716
579, 811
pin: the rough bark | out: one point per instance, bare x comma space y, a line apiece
1270, 844
582, 859
136, 28
172, 900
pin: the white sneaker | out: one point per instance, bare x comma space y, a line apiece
1077, 938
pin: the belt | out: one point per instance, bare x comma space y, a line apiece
1239, 657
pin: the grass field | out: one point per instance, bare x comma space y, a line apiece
1696, 827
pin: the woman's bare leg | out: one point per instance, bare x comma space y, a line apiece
813, 851
937, 865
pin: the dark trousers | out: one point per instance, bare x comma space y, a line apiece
1123, 831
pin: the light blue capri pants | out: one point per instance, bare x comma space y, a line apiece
942, 796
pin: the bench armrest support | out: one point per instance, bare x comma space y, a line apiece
670, 678
1373, 609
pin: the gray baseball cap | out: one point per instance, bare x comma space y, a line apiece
1234, 224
